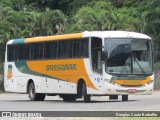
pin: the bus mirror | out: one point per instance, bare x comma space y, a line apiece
104, 56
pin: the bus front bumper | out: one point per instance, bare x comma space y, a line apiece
111, 89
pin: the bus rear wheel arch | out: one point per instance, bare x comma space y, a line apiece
68, 97
32, 93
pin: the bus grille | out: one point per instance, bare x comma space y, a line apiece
132, 85
126, 91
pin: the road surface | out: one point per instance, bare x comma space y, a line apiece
21, 102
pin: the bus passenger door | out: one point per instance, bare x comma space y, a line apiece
96, 53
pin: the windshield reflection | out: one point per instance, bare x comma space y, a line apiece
128, 56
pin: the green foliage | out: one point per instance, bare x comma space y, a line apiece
75, 5
46, 22
18, 4
101, 16
93, 17
5, 3
125, 18
51, 4
151, 20
28, 18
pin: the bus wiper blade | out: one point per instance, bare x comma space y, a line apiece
127, 63
135, 59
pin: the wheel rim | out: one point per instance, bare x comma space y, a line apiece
83, 91
32, 91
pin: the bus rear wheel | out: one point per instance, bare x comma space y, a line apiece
68, 98
33, 95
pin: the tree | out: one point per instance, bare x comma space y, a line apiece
51, 4
47, 23
94, 17
150, 17
125, 19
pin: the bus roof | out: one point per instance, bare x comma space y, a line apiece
116, 34
101, 34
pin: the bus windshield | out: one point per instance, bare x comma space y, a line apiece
128, 56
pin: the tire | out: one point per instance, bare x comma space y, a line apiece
68, 98
86, 97
33, 95
124, 97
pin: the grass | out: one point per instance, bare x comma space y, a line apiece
137, 118
1, 91
1, 87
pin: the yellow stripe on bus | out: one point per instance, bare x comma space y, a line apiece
70, 70
9, 75
133, 82
56, 37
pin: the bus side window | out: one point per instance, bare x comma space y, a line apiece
21, 54
50, 50
62, 49
96, 53
27, 51
12, 52
37, 51
84, 47
65, 49
80, 48
69, 47
76, 49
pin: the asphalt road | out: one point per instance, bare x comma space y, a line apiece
21, 102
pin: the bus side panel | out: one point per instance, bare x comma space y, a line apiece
61, 82
96, 79
64, 73
11, 78
71, 87
55, 86
24, 83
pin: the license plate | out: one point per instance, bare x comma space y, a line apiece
131, 90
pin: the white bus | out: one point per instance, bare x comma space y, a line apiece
80, 65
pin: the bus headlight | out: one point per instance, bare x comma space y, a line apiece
107, 80
114, 83
150, 82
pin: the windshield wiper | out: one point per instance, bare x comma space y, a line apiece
136, 60
127, 63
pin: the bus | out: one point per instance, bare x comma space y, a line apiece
80, 65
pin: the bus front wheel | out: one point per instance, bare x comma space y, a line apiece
86, 97
124, 97
33, 95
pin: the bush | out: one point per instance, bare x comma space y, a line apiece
1, 86
157, 75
